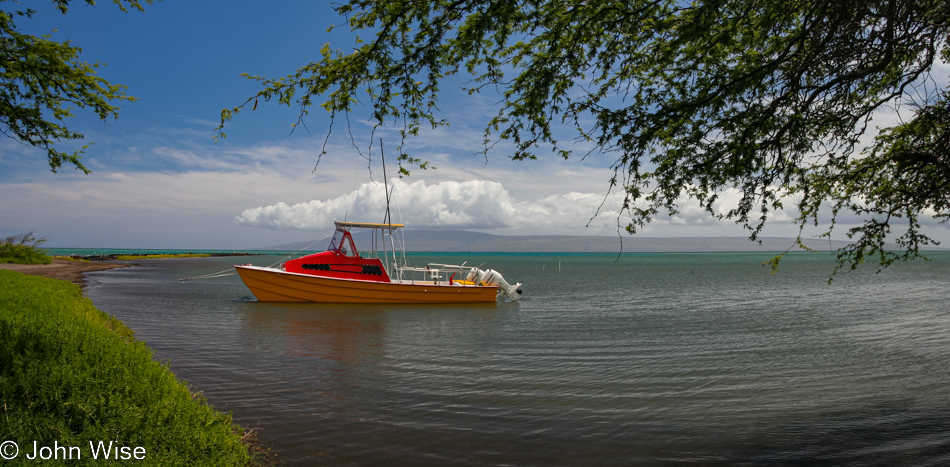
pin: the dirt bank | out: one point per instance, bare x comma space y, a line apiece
64, 269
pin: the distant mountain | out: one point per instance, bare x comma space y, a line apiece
465, 241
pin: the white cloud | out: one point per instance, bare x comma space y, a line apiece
449, 204
488, 206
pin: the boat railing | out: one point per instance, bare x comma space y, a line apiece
438, 274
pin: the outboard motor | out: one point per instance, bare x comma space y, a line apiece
491, 277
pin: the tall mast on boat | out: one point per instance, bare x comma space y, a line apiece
388, 219
382, 154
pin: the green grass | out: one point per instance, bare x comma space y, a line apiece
23, 249
176, 255
70, 258
71, 374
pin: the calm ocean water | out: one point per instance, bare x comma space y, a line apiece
654, 359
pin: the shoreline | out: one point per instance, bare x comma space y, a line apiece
64, 269
72, 270
152, 255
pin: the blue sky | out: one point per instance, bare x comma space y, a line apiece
160, 181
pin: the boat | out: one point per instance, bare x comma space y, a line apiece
343, 274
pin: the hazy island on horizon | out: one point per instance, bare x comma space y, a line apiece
464, 241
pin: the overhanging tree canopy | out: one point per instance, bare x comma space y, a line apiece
42, 80
690, 99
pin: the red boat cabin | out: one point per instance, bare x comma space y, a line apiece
341, 260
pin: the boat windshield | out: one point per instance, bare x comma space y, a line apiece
336, 240
342, 243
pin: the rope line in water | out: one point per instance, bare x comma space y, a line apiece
211, 275
231, 272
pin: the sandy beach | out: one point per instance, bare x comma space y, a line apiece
64, 269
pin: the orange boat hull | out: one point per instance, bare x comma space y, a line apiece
275, 285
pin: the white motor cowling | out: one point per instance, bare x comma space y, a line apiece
491, 277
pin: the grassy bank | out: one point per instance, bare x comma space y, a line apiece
71, 374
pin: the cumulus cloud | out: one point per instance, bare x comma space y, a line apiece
473, 204
449, 204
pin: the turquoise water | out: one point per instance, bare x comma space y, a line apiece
652, 359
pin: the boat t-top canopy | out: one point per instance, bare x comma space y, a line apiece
366, 225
